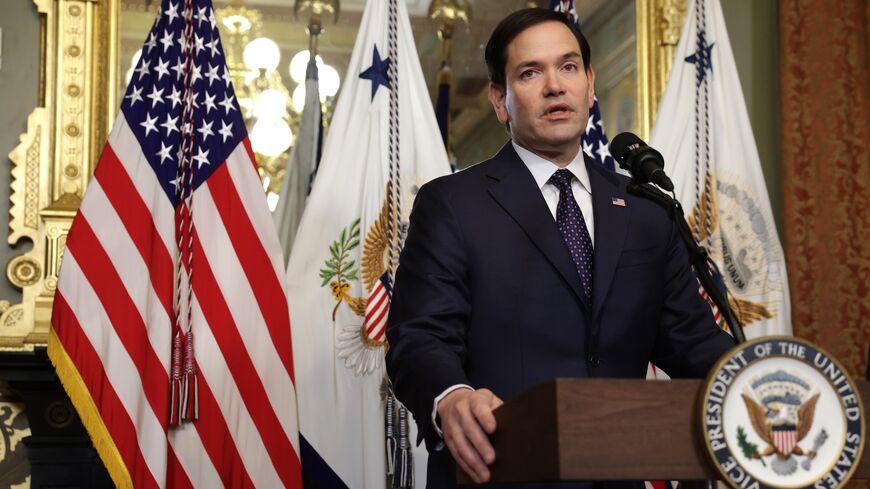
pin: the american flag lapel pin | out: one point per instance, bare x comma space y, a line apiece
617, 201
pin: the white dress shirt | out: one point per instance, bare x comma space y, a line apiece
542, 169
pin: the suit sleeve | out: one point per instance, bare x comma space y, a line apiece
430, 309
689, 341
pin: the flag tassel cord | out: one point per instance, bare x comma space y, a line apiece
87, 410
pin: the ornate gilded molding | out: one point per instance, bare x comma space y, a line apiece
55, 159
659, 24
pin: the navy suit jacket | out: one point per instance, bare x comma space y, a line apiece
486, 294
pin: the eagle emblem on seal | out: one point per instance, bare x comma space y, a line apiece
781, 410
362, 342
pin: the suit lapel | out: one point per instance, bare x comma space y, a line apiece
516, 191
611, 226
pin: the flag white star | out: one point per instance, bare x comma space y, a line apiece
178, 68
199, 43
212, 74
164, 152
590, 124
156, 96
603, 150
166, 40
227, 103
212, 47
182, 42
201, 15
172, 12
176, 182
587, 148
226, 130
135, 95
205, 130
228, 79
196, 73
170, 124
175, 97
162, 68
152, 41
209, 102
142, 70
202, 157
149, 124
212, 19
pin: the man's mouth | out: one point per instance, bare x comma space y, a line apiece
556, 111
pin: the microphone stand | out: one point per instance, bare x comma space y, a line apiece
698, 255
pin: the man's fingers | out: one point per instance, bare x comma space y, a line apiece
466, 454
474, 432
482, 412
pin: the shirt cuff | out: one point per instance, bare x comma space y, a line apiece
438, 399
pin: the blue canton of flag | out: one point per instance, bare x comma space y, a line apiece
594, 140
156, 98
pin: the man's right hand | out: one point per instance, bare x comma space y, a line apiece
466, 421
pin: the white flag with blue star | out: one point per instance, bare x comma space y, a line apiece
703, 131
382, 145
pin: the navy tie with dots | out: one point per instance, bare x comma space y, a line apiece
569, 218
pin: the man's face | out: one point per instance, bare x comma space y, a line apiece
548, 93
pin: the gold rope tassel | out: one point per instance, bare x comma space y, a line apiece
190, 385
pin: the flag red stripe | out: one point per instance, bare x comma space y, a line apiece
138, 222
97, 267
176, 477
250, 151
250, 385
112, 412
218, 441
378, 320
255, 262
380, 296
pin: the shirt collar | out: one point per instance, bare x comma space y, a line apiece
542, 169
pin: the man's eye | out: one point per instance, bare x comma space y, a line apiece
570, 67
527, 74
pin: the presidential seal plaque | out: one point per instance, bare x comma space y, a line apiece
779, 412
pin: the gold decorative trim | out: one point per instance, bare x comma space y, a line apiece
55, 158
659, 24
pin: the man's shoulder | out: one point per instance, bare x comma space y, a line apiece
469, 179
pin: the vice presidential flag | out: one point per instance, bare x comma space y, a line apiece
383, 144
703, 132
170, 328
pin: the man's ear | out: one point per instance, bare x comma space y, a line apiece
590, 77
497, 99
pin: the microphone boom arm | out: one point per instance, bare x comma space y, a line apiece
698, 255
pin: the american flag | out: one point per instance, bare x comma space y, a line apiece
594, 141
174, 237
377, 308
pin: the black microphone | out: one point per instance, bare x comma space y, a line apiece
644, 163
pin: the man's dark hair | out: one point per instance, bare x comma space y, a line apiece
512, 25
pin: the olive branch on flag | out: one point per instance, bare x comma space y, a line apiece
750, 450
339, 270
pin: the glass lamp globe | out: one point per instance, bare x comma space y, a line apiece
270, 104
262, 54
329, 81
299, 63
297, 100
271, 137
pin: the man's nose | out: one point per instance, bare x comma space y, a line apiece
553, 84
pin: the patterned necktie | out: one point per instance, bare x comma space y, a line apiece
569, 218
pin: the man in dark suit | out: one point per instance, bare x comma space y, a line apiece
535, 264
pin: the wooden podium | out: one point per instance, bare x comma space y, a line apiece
609, 429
